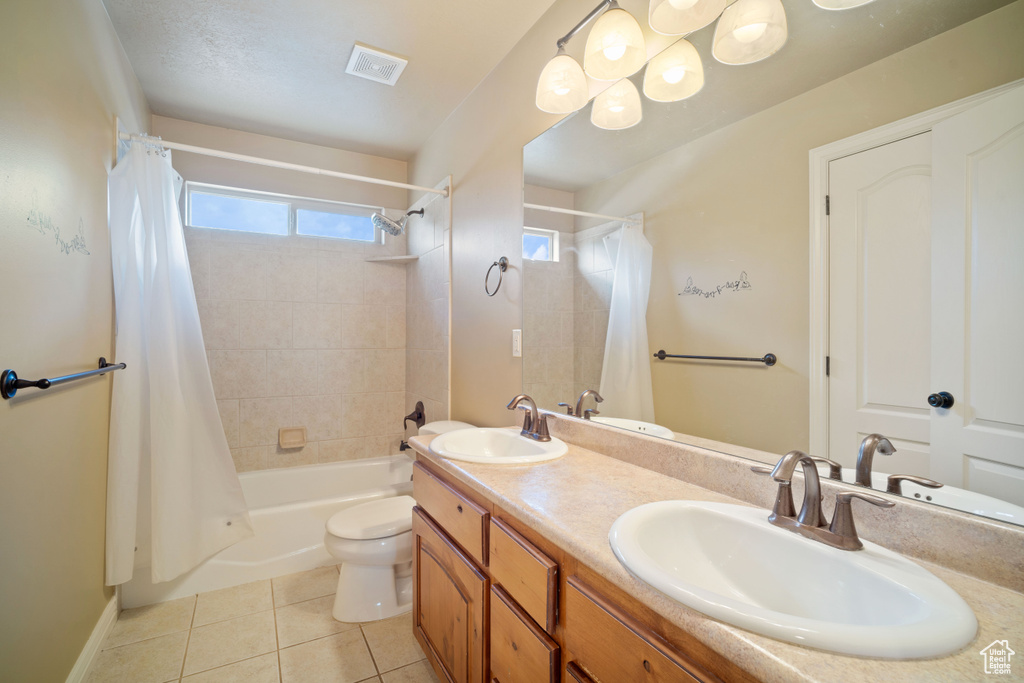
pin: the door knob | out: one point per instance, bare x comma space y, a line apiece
943, 399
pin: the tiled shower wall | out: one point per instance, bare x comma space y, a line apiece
302, 332
592, 297
428, 282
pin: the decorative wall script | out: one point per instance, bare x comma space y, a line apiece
740, 285
45, 225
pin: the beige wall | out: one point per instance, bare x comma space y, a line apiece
736, 201
63, 78
300, 332
481, 144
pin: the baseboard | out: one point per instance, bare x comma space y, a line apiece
92, 646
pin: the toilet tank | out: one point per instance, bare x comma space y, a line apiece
442, 426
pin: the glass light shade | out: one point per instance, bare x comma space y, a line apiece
749, 31
615, 47
840, 4
562, 88
617, 107
677, 17
674, 74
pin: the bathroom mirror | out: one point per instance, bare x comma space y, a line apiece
721, 180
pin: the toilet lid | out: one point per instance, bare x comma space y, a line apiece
376, 519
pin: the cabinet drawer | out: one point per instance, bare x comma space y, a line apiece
611, 646
520, 652
462, 519
526, 574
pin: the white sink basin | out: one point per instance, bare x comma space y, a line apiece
496, 447
947, 496
728, 562
635, 426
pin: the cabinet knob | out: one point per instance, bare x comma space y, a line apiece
943, 399
459, 508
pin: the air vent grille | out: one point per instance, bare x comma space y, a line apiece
375, 65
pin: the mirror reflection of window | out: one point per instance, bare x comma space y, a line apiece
540, 244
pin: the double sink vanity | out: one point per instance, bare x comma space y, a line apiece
605, 555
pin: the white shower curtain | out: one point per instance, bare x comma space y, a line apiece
173, 497
626, 371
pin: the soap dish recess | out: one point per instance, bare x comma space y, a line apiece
291, 437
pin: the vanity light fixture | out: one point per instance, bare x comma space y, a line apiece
562, 88
749, 31
615, 47
679, 17
674, 74
840, 4
618, 107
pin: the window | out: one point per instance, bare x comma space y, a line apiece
540, 244
228, 208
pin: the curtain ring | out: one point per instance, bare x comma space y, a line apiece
502, 264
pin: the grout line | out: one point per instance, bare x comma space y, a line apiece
369, 649
277, 639
188, 638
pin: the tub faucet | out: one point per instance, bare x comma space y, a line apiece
871, 444
585, 414
535, 425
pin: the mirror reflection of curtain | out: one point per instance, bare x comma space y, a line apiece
626, 371
173, 497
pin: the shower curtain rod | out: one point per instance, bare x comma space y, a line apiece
572, 212
205, 151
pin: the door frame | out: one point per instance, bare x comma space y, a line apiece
819, 159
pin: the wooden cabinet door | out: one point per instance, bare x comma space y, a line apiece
520, 651
449, 604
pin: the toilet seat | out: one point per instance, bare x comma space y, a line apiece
377, 519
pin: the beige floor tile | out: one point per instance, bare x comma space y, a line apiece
392, 643
308, 620
420, 672
151, 621
305, 585
262, 669
228, 603
341, 658
230, 641
156, 660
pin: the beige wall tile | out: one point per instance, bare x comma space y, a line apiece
364, 414
238, 374
385, 369
148, 661
392, 642
230, 641
291, 372
384, 284
364, 327
260, 419
302, 586
316, 326
292, 276
262, 669
151, 621
236, 601
228, 410
249, 459
396, 327
199, 266
292, 457
339, 279
237, 273
219, 320
341, 658
320, 415
305, 621
264, 325
342, 449
379, 446
341, 372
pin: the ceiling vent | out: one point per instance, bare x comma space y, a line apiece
376, 65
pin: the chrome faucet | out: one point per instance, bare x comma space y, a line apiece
585, 414
871, 444
841, 533
535, 425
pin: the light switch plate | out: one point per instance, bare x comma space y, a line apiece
517, 343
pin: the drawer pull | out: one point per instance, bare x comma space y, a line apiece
459, 508
647, 666
515, 647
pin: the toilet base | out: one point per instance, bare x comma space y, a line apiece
371, 593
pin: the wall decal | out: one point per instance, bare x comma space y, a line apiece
44, 224
740, 285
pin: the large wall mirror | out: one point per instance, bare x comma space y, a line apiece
718, 185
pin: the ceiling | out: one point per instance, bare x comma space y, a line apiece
277, 67
822, 46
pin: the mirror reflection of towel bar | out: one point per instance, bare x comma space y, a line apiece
768, 359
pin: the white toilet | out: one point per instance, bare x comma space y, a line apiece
374, 543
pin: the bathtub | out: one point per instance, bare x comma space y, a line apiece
288, 508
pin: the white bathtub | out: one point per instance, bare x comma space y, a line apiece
288, 508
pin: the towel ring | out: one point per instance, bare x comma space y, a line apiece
502, 264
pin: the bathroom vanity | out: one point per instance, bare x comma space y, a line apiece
514, 578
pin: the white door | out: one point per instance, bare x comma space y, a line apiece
978, 298
880, 302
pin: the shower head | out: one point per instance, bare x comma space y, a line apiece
392, 227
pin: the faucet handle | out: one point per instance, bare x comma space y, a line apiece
835, 470
784, 506
842, 520
896, 483
590, 411
568, 408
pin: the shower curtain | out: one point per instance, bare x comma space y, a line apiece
173, 497
626, 371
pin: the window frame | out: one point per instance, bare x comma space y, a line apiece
553, 243
294, 203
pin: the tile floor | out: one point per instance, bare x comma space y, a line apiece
275, 631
